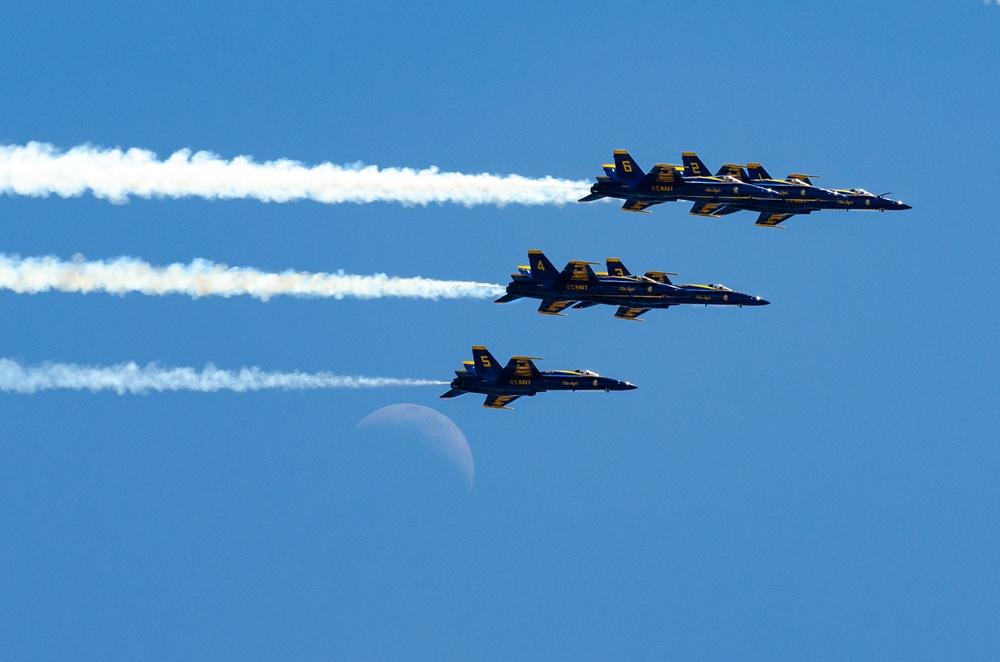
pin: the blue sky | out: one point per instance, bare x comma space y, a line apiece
816, 478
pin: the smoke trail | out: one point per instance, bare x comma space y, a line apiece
131, 378
203, 278
39, 169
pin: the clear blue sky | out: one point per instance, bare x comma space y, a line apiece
813, 479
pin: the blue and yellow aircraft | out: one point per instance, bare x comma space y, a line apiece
579, 286
520, 377
669, 183
798, 195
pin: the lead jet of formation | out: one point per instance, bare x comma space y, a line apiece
579, 286
520, 377
798, 195
670, 183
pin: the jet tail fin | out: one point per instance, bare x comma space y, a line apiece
577, 271
693, 166
484, 363
733, 170
616, 268
756, 171
805, 179
660, 276
626, 167
541, 268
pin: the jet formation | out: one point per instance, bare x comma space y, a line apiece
733, 188
579, 286
520, 377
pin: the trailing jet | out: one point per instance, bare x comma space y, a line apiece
520, 377
579, 286
798, 195
669, 183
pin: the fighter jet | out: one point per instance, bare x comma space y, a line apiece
579, 286
520, 377
669, 183
798, 195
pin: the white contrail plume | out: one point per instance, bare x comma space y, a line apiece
132, 378
39, 169
203, 278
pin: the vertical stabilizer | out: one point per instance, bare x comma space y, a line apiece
541, 268
616, 268
484, 363
626, 167
693, 166
756, 171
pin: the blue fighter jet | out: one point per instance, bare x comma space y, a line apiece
579, 286
520, 377
798, 195
669, 183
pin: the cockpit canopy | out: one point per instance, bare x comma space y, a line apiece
588, 373
720, 287
861, 191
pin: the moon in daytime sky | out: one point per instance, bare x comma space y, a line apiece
430, 429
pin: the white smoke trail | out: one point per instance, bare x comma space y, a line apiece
203, 278
132, 378
39, 169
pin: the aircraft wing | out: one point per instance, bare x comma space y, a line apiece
638, 205
626, 313
591, 197
771, 220
453, 393
500, 401
714, 209
554, 307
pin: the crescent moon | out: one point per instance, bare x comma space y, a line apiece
434, 430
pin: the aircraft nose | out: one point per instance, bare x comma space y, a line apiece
628, 386
763, 302
904, 206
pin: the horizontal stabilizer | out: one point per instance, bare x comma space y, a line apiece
453, 393
626, 313
500, 401
713, 209
638, 205
592, 197
507, 298
553, 307
768, 220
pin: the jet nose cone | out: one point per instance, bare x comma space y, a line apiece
904, 206
763, 302
628, 386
